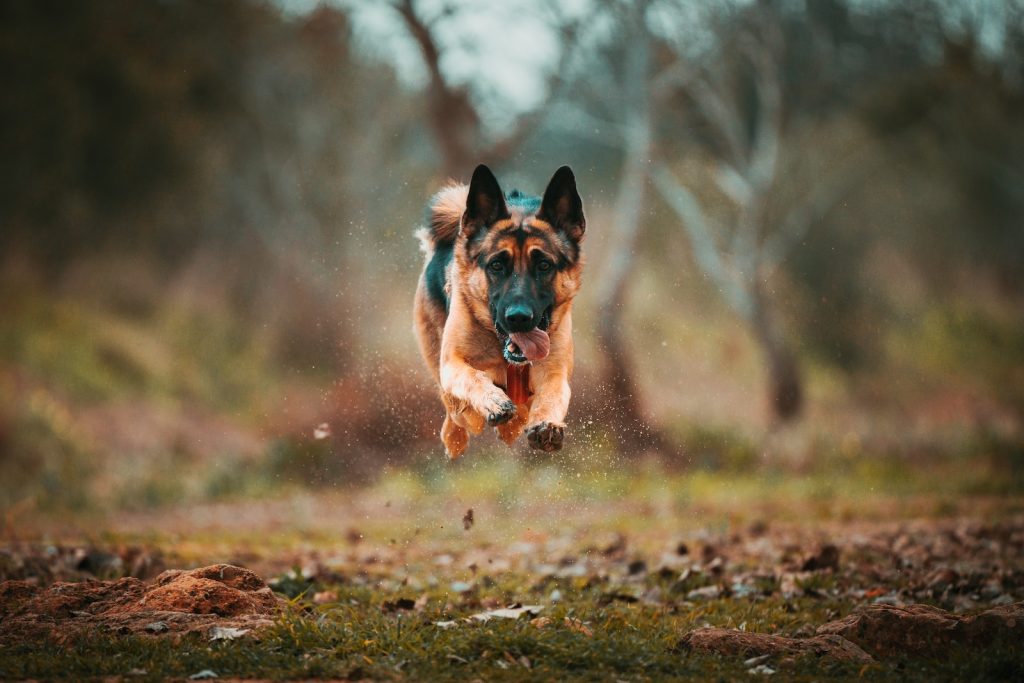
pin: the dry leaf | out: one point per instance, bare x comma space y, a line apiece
574, 624
540, 622
226, 633
511, 612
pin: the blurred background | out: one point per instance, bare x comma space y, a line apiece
805, 235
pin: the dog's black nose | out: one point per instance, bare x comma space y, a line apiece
519, 318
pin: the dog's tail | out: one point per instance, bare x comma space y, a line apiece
444, 215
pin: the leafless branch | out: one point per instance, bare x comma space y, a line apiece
452, 109
827, 192
701, 234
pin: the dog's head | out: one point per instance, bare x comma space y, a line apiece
523, 254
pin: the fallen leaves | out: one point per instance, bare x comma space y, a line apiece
778, 585
226, 633
578, 626
513, 611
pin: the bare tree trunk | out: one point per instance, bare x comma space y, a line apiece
452, 117
622, 393
785, 383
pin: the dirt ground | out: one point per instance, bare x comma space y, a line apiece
404, 582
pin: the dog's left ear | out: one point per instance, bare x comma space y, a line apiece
562, 206
485, 202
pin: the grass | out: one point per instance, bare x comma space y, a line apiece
356, 640
563, 536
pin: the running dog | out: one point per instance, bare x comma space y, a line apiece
493, 308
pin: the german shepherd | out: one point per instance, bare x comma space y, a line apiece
494, 302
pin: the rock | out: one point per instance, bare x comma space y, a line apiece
219, 596
725, 641
887, 630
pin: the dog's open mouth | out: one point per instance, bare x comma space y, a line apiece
524, 347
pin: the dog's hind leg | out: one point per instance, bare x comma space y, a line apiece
510, 431
454, 437
462, 414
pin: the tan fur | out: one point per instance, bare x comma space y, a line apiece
463, 352
445, 216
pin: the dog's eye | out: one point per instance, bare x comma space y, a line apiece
496, 266
544, 265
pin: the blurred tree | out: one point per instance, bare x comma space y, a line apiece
611, 105
742, 111
455, 121
632, 90
754, 101
219, 136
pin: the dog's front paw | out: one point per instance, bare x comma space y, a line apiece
546, 436
501, 411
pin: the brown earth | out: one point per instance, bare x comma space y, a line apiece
888, 630
175, 602
881, 630
742, 644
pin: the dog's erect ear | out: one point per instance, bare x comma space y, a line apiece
485, 202
562, 206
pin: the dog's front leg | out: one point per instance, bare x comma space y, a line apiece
474, 389
547, 413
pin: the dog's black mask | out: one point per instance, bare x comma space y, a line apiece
522, 243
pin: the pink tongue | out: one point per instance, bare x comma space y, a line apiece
535, 344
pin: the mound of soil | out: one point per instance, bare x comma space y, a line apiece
887, 630
872, 631
175, 602
726, 641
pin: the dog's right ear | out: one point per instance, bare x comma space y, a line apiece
485, 202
